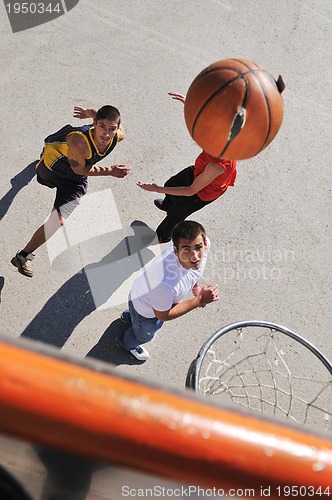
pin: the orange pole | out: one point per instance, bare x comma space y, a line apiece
175, 435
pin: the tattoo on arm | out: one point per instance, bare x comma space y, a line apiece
73, 163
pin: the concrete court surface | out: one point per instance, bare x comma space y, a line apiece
270, 234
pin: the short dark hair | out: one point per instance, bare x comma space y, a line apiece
188, 230
108, 113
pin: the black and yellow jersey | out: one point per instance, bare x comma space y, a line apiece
55, 150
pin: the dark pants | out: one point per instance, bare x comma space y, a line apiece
68, 476
178, 207
68, 191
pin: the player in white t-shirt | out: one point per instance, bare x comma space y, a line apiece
157, 294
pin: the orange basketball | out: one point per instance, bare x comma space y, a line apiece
233, 109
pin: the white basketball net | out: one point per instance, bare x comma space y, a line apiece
264, 370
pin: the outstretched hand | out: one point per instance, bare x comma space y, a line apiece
177, 97
120, 171
80, 113
208, 294
148, 187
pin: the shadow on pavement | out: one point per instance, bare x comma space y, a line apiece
18, 182
107, 350
75, 299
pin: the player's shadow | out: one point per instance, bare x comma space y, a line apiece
17, 183
91, 288
106, 349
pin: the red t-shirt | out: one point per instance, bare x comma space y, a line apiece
220, 184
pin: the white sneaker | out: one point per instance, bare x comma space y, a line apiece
138, 353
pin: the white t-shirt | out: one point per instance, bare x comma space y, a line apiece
164, 283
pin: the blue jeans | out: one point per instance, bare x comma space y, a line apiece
141, 331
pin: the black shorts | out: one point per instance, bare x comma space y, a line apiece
68, 192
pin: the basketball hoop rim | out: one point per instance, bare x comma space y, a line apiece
192, 380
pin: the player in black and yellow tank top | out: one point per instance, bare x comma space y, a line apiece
69, 158
55, 154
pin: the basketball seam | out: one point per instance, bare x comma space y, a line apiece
242, 75
268, 109
244, 102
212, 96
254, 73
245, 64
213, 70
222, 68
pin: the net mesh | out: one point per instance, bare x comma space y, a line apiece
264, 370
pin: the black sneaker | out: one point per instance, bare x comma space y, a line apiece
159, 204
23, 264
125, 317
138, 352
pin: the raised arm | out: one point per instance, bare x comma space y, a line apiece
83, 113
177, 97
206, 295
211, 171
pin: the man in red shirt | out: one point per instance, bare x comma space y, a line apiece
192, 188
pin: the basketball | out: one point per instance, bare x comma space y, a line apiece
233, 109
